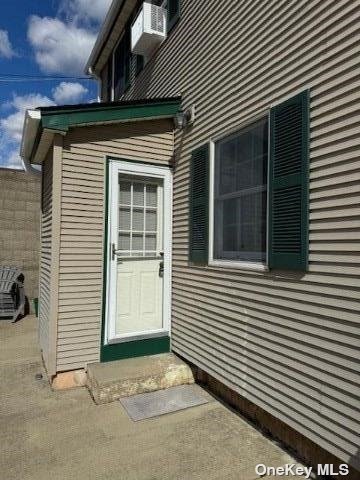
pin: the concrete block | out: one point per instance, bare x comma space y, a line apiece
14, 204
32, 206
20, 215
67, 380
108, 382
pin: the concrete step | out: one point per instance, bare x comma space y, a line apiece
110, 381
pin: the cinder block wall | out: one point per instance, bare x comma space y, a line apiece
20, 225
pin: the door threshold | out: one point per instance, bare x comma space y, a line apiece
140, 336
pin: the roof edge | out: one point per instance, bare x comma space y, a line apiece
89, 107
59, 119
105, 30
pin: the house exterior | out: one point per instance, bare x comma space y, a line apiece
209, 204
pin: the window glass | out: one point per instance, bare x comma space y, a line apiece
109, 79
173, 12
122, 58
240, 194
138, 218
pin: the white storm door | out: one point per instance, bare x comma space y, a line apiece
139, 252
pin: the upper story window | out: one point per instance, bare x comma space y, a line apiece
240, 194
109, 79
117, 73
122, 64
173, 12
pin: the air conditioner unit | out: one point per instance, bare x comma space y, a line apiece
149, 29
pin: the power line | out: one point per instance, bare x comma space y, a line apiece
9, 77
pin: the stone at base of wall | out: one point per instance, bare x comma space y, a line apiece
299, 446
67, 380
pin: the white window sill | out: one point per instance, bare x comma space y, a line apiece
253, 266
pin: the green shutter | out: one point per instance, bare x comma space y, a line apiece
289, 184
173, 13
199, 206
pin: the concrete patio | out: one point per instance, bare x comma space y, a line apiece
64, 435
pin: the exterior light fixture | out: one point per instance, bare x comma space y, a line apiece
184, 119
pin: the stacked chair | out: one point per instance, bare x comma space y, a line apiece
12, 295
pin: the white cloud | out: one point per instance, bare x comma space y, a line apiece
6, 49
11, 126
68, 92
11, 160
62, 44
85, 10
60, 47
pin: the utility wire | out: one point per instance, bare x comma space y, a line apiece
8, 77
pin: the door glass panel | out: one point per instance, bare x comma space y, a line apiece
137, 242
151, 195
150, 220
138, 193
138, 218
124, 218
139, 303
125, 193
124, 241
150, 242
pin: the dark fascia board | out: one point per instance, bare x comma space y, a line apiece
62, 118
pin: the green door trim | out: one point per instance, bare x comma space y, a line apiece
135, 348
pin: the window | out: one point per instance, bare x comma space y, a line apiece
240, 194
259, 210
121, 65
173, 13
109, 80
138, 218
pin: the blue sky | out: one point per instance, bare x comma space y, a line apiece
43, 38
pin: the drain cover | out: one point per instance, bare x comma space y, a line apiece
161, 402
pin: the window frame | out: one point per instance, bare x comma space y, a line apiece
240, 264
170, 23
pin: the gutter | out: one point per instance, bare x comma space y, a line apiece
31, 125
30, 169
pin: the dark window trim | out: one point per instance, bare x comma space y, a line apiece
171, 22
139, 64
123, 42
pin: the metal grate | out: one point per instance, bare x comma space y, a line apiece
161, 402
157, 18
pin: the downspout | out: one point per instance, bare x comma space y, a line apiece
99, 82
31, 124
29, 168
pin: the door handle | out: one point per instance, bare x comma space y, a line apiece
161, 268
114, 252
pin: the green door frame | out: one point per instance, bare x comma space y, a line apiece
135, 348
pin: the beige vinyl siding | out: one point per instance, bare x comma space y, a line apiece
45, 256
82, 226
288, 342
